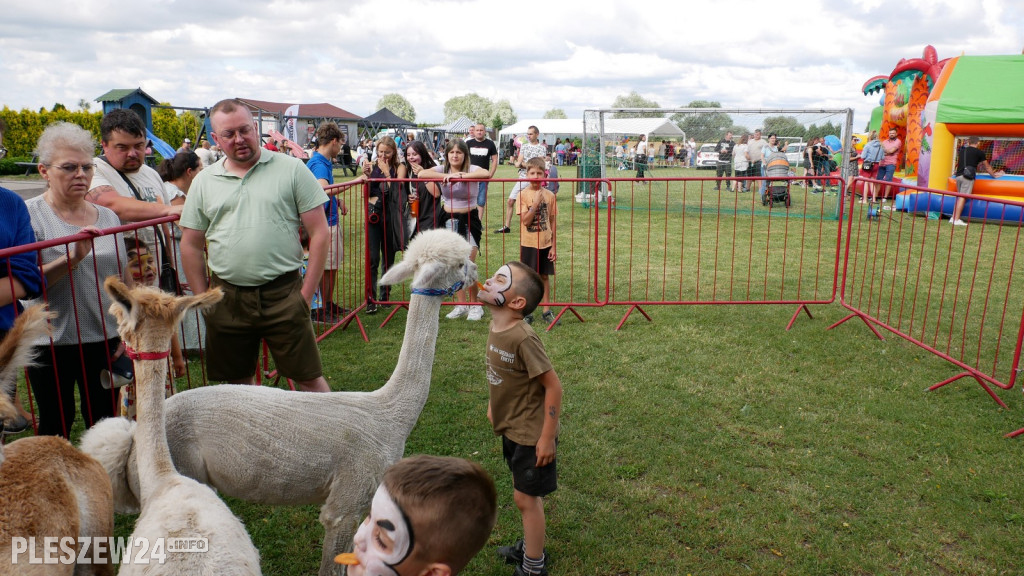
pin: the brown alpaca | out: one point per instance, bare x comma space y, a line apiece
47, 487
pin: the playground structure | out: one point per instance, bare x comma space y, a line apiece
935, 104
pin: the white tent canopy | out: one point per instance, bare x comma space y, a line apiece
549, 128
661, 127
561, 128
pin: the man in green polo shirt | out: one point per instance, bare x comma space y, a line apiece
248, 210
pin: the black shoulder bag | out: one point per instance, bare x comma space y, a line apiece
168, 274
969, 172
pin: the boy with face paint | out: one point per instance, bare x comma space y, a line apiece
429, 516
524, 406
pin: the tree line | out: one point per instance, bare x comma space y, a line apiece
23, 127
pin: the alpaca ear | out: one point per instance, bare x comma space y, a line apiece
119, 294
398, 273
200, 302
430, 274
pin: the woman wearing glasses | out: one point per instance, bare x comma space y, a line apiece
84, 334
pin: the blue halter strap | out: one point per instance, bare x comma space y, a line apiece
438, 291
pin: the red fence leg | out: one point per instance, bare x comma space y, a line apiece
980, 383
630, 311
861, 316
1015, 433
797, 313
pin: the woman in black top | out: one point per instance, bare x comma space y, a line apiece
385, 224
426, 195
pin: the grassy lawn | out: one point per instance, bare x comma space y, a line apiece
710, 440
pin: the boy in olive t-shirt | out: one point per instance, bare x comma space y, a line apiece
524, 405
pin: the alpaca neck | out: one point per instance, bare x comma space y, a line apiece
406, 391
152, 452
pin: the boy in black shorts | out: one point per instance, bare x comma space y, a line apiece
537, 208
524, 405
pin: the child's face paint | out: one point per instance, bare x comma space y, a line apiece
384, 540
141, 269
493, 291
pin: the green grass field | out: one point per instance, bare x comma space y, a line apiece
710, 440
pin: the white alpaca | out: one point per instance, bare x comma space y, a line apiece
274, 446
47, 487
173, 506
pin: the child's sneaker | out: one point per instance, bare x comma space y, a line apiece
958, 222
458, 312
514, 555
475, 313
528, 318
549, 317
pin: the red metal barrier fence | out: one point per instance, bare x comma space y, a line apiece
684, 241
82, 308
955, 291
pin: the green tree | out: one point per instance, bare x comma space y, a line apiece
173, 128
399, 105
472, 106
815, 131
58, 107
635, 100
502, 114
704, 126
84, 104
555, 113
25, 126
784, 126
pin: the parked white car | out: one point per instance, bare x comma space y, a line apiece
707, 156
795, 153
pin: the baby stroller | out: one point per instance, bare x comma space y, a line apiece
776, 168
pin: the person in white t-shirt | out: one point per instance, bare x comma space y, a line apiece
532, 149
641, 156
123, 182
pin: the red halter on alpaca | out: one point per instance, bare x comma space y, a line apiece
145, 355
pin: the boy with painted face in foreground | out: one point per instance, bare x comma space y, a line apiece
430, 516
524, 406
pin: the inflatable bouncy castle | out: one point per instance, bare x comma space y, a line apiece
934, 105
906, 91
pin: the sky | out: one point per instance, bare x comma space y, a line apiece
539, 55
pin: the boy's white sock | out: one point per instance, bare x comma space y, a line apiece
533, 565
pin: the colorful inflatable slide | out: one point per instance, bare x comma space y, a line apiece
973, 96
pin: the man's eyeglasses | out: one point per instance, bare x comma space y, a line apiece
244, 131
70, 168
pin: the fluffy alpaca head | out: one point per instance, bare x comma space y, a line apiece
15, 354
146, 316
111, 442
436, 259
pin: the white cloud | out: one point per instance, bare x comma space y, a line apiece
537, 54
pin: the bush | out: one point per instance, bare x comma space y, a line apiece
9, 166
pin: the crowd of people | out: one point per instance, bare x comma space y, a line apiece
238, 218
240, 206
